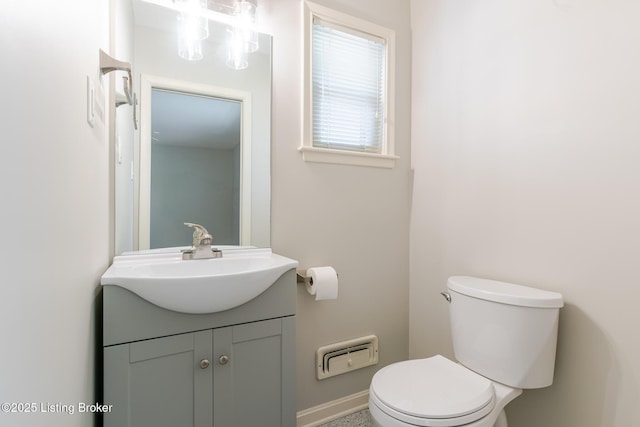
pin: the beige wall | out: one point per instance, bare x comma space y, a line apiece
353, 218
526, 143
54, 220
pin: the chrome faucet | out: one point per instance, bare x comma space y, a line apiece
201, 244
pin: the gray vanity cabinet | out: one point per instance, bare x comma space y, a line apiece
158, 382
247, 385
232, 373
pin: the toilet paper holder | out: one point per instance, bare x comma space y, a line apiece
302, 277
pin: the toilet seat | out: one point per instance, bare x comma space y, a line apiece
432, 392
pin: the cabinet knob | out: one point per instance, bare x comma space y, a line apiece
204, 364
223, 359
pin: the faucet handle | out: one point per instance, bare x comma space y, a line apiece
200, 234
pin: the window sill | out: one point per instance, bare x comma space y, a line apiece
343, 157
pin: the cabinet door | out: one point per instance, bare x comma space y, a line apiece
161, 382
255, 374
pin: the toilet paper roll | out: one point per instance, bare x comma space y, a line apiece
322, 282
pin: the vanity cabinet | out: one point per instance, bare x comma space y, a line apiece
227, 369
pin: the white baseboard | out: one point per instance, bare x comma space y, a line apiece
329, 411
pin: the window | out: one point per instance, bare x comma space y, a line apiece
348, 113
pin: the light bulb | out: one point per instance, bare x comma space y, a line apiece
193, 27
236, 53
246, 13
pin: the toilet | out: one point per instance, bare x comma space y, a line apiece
504, 339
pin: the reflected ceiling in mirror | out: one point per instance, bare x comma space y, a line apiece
186, 119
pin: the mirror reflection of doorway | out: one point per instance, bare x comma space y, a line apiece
195, 167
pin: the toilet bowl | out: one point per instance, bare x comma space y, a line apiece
436, 392
504, 339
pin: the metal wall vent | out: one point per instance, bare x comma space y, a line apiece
346, 356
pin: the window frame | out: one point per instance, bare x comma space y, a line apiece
386, 158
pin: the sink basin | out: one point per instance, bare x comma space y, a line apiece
197, 286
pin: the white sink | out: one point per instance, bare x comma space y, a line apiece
197, 286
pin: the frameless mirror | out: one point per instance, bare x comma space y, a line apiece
202, 149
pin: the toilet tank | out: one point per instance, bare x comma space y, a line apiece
504, 332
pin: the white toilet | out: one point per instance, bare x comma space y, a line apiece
504, 338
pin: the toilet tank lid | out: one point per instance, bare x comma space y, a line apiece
503, 292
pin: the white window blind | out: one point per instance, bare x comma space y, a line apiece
348, 89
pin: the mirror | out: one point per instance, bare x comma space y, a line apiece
194, 163
164, 173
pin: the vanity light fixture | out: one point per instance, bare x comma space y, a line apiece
193, 19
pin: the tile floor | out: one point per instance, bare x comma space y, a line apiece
357, 419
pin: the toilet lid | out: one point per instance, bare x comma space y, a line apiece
433, 388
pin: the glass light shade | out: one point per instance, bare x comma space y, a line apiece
193, 27
245, 12
189, 49
237, 57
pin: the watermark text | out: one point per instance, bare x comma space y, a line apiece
53, 408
